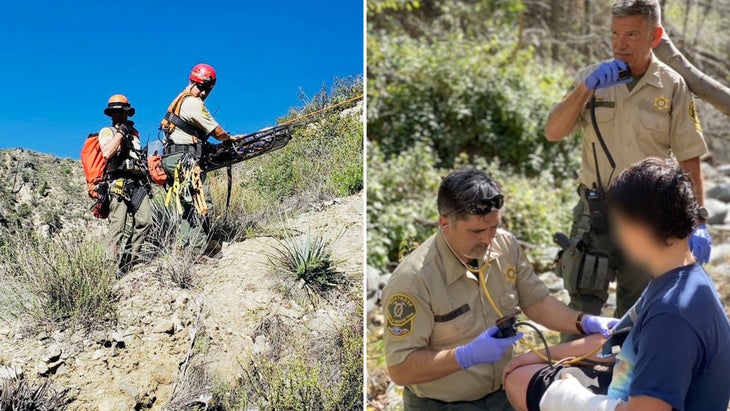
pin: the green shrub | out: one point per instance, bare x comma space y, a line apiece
22, 394
56, 279
306, 257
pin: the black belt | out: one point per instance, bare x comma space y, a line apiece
195, 149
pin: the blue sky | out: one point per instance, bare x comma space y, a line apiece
61, 61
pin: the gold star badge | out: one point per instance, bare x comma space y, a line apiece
661, 103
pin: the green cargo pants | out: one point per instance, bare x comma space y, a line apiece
125, 248
588, 267
496, 401
194, 228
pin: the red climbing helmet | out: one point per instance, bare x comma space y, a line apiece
204, 75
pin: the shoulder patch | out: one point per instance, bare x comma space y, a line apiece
204, 111
106, 132
400, 313
693, 115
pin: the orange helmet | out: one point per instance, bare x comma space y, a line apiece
118, 102
204, 75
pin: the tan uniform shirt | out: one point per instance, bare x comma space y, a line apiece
434, 303
656, 119
194, 111
118, 162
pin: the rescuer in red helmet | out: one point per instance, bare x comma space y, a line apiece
187, 126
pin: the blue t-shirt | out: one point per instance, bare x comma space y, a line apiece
679, 348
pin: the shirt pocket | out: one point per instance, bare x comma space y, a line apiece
449, 331
653, 139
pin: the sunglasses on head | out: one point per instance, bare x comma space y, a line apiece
485, 207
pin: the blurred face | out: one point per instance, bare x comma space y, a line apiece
470, 238
633, 38
636, 240
119, 117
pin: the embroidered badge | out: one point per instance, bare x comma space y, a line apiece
510, 273
693, 115
400, 313
204, 111
661, 103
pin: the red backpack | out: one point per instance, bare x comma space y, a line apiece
94, 164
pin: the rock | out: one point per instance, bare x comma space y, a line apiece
720, 254
720, 192
164, 326
118, 402
717, 211
163, 376
10, 372
52, 367
129, 389
97, 354
41, 368
552, 281
53, 353
723, 169
42, 336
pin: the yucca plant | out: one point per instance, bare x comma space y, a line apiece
307, 258
22, 394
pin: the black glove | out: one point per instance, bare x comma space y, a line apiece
124, 130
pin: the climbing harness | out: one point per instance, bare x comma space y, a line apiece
187, 185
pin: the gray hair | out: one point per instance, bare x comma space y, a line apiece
647, 8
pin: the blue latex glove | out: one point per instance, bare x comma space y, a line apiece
700, 243
593, 324
484, 349
606, 75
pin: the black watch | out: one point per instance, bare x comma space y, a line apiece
703, 214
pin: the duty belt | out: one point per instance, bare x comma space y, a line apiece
194, 149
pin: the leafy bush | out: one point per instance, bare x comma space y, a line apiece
313, 373
465, 95
55, 279
306, 257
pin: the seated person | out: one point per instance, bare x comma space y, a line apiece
677, 354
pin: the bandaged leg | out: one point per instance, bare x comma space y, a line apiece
568, 394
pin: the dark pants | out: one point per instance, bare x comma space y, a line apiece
595, 379
588, 269
496, 401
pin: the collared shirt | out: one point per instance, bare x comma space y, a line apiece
193, 111
124, 160
434, 303
657, 118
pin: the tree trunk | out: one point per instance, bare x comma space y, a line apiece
707, 88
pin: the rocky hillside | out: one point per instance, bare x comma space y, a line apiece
42, 192
217, 344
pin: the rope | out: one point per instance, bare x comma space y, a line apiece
315, 112
187, 184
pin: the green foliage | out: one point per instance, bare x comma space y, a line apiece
306, 257
23, 394
55, 279
322, 373
476, 96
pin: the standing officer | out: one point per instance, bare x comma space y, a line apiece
443, 300
187, 126
650, 114
128, 183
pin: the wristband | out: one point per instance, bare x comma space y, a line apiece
579, 323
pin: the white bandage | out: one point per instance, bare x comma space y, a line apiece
569, 395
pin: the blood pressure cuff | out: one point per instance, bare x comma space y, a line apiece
596, 378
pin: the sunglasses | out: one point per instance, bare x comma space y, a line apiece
485, 207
